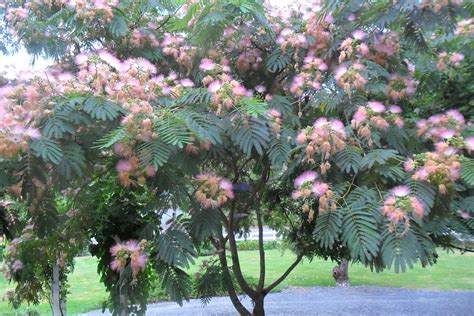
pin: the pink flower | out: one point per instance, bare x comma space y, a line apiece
124, 166
395, 109
409, 165
17, 265
360, 115
376, 106
456, 57
117, 265
187, 83
446, 134
274, 113
417, 206
470, 143
214, 86
132, 245
296, 195
456, 115
110, 59
358, 35
207, 64
115, 249
340, 72
81, 58
33, 133
320, 122
320, 188
401, 190
260, 88
226, 184
138, 262
307, 176
301, 138
338, 126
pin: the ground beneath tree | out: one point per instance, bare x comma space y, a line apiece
355, 300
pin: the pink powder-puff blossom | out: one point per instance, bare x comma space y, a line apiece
124, 166
401, 190
307, 176
358, 35
207, 64
214, 86
375, 106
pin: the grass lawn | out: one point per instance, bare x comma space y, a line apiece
453, 272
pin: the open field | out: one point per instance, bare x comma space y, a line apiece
453, 272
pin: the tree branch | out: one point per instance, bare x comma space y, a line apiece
220, 248
283, 276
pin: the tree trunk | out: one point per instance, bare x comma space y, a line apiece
122, 299
258, 308
340, 273
55, 291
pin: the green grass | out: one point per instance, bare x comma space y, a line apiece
453, 272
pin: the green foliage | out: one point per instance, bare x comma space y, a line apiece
175, 248
154, 154
279, 60
467, 172
173, 131
47, 149
111, 138
102, 109
360, 224
254, 107
328, 227
253, 134
349, 159
378, 157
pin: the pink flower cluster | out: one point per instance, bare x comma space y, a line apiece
11, 263
386, 46
307, 187
174, 45
441, 126
352, 45
18, 107
400, 87
437, 168
465, 27
375, 115
130, 252
275, 116
350, 78
213, 191
310, 77
448, 61
226, 90
438, 5
398, 204
325, 137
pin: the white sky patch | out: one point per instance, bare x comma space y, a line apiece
21, 61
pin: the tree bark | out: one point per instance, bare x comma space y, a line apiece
55, 290
122, 299
261, 281
220, 247
258, 307
341, 274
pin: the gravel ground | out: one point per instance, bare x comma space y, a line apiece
355, 300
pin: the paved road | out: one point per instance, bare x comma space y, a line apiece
356, 300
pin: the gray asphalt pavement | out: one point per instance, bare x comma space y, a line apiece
355, 300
